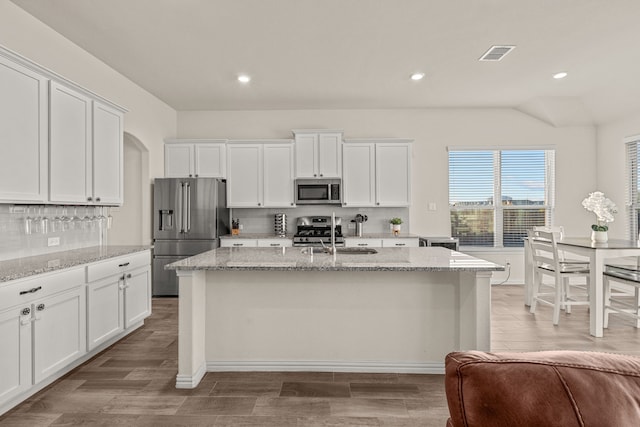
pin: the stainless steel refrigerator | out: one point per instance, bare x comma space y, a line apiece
189, 216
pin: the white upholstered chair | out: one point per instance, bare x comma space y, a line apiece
548, 263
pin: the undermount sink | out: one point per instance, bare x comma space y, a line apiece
356, 251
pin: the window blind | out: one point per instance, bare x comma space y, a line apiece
633, 201
495, 196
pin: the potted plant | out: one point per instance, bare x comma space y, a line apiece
604, 209
396, 225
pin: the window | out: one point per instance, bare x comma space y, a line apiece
523, 182
633, 201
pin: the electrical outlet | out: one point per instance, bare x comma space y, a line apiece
53, 241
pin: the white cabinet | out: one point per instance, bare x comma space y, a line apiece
69, 145
259, 174
405, 242
195, 158
275, 243
15, 351
60, 142
358, 242
238, 243
318, 153
377, 173
85, 147
59, 334
118, 295
23, 134
107, 153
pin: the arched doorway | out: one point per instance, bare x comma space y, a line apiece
132, 221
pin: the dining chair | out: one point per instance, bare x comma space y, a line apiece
625, 300
548, 262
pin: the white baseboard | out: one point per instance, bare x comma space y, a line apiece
327, 366
191, 381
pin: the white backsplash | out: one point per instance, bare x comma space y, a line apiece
19, 240
262, 220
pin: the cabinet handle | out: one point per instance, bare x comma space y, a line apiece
40, 307
97, 199
89, 199
400, 244
274, 244
321, 174
291, 204
26, 311
363, 244
259, 204
378, 203
196, 175
238, 244
31, 291
129, 276
190, 176
124, 264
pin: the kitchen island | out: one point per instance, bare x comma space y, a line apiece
287, 309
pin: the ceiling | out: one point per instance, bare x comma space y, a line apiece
359, 54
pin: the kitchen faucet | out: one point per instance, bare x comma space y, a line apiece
331, 250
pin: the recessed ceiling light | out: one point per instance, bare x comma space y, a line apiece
560, 75
417, 76
243, 78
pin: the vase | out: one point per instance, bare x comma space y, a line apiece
599, 236
396, 228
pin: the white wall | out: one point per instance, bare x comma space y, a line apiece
612, 167
148, 119
432, 130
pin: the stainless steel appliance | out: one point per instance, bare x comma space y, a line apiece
189, 216
312, 230
446, 242
318, 191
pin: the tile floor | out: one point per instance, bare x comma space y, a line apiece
132, 382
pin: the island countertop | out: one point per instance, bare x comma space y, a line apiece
299, 259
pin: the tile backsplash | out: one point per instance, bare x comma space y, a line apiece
28, 230
263, 220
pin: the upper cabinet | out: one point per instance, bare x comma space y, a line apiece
260, 174
377, 172
318, 153
62, 143
23, 134
195, 158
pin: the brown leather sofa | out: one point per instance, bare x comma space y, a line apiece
542, 389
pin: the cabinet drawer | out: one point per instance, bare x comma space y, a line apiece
24, 291
238, 243
101, 269
401, 243
362, 242
274, 243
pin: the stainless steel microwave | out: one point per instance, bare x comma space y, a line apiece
324, 191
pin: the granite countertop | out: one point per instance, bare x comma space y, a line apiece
387, 235
298, 259
29, 266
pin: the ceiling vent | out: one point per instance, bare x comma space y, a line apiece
496, 53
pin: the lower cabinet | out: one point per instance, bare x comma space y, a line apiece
118, 296
59, 332
51, 322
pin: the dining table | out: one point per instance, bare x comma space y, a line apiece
597, 254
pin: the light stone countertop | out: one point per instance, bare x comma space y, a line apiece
298, 259
256, 236
29, 266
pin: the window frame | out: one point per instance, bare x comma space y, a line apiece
500, 208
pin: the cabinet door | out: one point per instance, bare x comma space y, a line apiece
137, 296
358, 177
244, 176
59, 332
105, 316
238, 243
178, 160
210, 160
306, 155
362, 242
278, 175
15, 351
400, 243
393, 174
23, 134
107, 154
69, 147
330, 155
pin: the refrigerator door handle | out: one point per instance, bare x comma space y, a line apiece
182, 209
188, 185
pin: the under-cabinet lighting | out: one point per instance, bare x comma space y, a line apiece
417, 76
560, 75
243, 78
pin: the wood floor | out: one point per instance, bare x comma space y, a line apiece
132, 382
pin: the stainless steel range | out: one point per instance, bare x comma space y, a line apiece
311, 230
